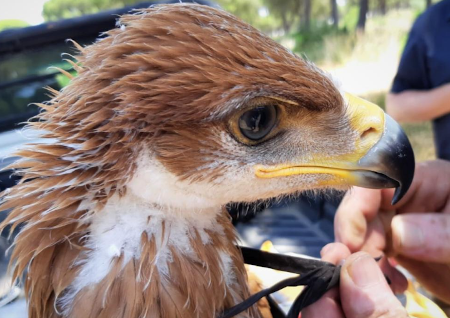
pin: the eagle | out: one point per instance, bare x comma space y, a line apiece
178, 111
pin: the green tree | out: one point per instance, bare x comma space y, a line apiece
12, 23
250, 11
287, 11
306, 18
382, 6
247, 10
363, 10
334, 13
61, 9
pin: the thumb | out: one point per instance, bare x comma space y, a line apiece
365, 292
421, 236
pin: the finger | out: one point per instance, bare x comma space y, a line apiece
399, 283
358, 207
386, 221
429, 189
365, 292
386, 199
334, 252
327, 306
375, 239
424, 237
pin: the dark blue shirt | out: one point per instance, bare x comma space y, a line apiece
425, 64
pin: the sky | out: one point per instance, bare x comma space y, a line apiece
26, 10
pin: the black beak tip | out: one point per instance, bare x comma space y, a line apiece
398, 195
406, 165
392, 159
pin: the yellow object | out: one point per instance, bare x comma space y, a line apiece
267, 246
419, 306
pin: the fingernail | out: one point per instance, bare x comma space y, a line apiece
326, 249
365, 272
409, 235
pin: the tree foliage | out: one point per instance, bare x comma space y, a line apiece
287, 11
267, 15
12, 23
60, 9
251, 11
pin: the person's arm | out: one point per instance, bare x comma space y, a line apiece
419, 105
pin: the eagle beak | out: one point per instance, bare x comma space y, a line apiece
382, 156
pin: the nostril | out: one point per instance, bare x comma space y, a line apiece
368, 132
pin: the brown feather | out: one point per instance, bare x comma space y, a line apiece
184, 293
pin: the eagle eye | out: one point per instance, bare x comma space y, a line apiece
258, 122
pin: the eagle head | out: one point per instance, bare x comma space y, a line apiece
186, 101
209, 110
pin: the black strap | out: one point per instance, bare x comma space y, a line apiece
281, 262
318, 277
275, 309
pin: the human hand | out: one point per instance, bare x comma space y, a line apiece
415, 232
363, 291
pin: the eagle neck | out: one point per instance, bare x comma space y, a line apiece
181, 264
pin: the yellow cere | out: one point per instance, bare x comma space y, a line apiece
367, 119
